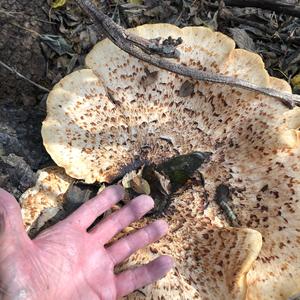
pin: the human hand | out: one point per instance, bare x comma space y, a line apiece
67, 262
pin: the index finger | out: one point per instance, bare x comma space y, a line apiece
86, 214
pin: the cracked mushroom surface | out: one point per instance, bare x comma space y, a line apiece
47, 194
121, 113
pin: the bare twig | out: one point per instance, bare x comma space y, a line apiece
23, 77
229, 16
136, 47
15, 14
25, 29
274, 5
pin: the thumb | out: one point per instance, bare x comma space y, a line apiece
10, 216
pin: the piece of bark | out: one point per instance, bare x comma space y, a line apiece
280, 7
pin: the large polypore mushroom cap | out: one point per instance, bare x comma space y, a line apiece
121, 113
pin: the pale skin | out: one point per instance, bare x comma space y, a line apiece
67, 262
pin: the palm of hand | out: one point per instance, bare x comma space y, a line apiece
67, 262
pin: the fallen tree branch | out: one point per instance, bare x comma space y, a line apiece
273, 5
139, 48
227, 15
11, 69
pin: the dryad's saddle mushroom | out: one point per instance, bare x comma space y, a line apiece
120, 114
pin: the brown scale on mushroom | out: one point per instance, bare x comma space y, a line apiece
211, 261
112, 117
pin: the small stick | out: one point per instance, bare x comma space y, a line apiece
273, 5
23, 77
136, 46
13, 13
222, 198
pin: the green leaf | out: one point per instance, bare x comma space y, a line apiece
179, 169
136, 1
166, 178
58, 3
57, 43
296, 83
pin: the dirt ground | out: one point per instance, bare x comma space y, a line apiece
45, 44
